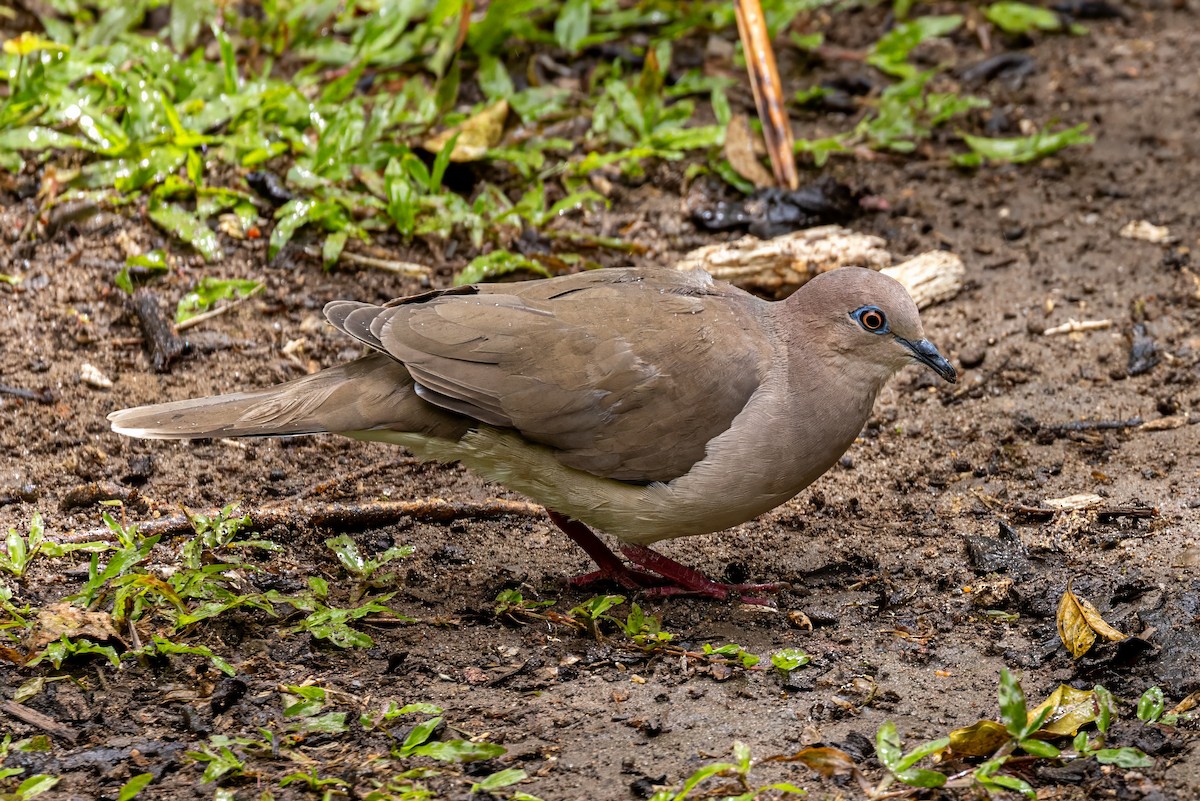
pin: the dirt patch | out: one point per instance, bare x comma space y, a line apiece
881, 551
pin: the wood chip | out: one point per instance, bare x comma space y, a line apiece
777, 267
1084, 500
1166, 423
931, 277
1146, 231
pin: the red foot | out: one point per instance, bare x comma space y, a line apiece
662, 577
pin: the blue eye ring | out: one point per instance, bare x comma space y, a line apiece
871, 319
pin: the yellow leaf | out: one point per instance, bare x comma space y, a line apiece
29, 42
476, 135
979, 739
1072, 710
1079, 623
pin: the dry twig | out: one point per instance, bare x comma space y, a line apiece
338, 516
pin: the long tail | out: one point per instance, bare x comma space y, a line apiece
373, 392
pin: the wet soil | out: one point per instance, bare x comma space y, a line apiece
889, 554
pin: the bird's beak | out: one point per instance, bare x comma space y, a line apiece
923, 351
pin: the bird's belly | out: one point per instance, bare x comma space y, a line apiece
707, 499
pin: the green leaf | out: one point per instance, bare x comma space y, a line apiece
1123, 757
699, 776
593, 608
187, 227
1010, 783
741, 756
496, 264
35, 786
498, 780
573, 23
164, 646
1022, 149
1039, 748
890, 53
1020, 18
494, 79
419, 734
1150, 706
144, 265
37, 138
788, 659
1106, 713
887, 746
920, 752
209, 291
920, 777
458, 751
131, 788
1013, 712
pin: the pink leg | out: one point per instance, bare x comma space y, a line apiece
688, 581
611, 567
666, 577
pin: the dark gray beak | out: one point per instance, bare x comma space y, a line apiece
923, 351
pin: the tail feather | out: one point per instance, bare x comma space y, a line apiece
371, 393
262, 413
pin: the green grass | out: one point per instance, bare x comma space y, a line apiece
364, 108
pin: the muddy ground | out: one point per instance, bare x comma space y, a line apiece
878, 550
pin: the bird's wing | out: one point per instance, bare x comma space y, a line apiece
626, 374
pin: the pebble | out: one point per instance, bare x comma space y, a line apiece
972, 356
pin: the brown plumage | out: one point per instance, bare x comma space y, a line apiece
647, 402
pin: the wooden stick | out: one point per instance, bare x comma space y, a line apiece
768, 91
40, 720
339, 516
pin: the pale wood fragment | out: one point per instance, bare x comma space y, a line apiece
776, 267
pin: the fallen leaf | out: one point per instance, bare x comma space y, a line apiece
1079, 623
739, 149
979, 739
55, 620
476, 134
821, 759
1072, 709
1187, 704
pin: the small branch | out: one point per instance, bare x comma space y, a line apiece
43, 396
339, 516
1107, 512
40, 720
192, 322
407, 268
1077, 326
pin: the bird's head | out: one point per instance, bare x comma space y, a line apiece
870, 319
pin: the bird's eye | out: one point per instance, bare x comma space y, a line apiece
872, 319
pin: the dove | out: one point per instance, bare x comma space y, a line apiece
647, 403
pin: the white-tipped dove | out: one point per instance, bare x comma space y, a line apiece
648, 403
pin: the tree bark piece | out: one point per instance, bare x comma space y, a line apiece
777, 267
